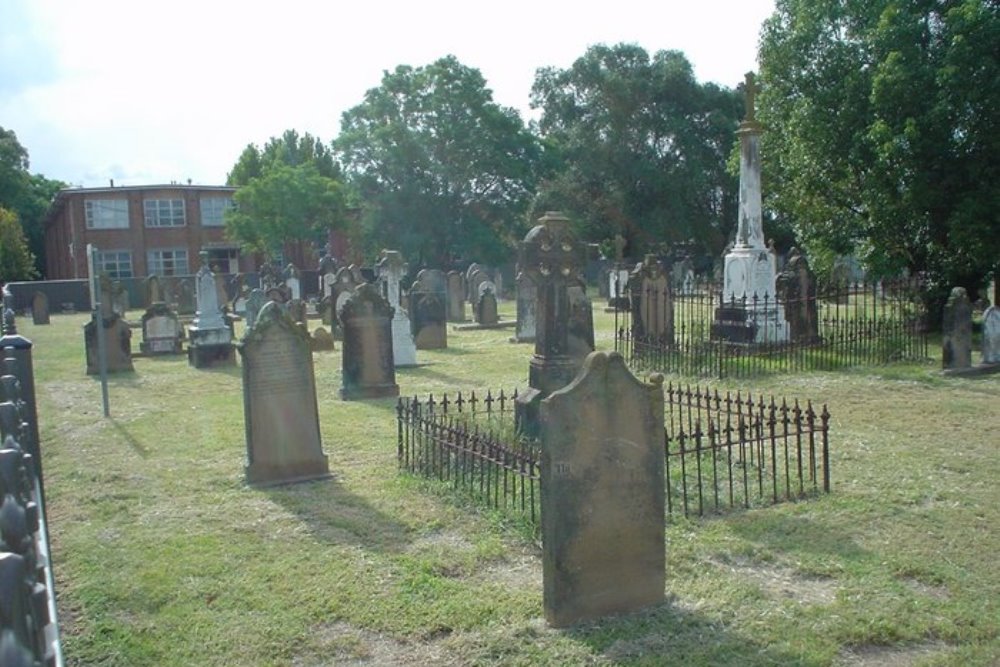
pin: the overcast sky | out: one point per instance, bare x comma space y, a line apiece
146, 92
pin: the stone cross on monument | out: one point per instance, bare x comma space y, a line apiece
751, 89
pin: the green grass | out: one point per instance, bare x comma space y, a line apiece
164, 557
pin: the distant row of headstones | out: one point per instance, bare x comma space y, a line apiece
956, 335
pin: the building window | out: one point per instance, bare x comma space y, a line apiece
213, 210
106, 213
115, 263
167, 262
163, 212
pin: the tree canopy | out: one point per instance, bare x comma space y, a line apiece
640, 148
16, 260
441, 170
289, 191
884, 132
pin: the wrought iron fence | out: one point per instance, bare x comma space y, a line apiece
720, 451
836, 326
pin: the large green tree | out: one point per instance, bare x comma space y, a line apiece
441, 170
16, 261
289, 191
640, 147
885, 132
26, 194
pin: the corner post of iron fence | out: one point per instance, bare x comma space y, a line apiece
825, 419
399, 431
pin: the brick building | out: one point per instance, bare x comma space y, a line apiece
140, 230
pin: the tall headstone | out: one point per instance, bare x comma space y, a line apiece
391, 269
368, 369
581, 322
456, 297
991, 335
602, 494
279, 402
652, 302
527, 308
186, 300
211, 338
40, 308
551, 255
117, 340
796, 290
161, 331
748, 289
956, 331
154, 290
428, 302
293, 281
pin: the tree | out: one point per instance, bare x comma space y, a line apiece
289, 149
640, 148
16, 260
440, 169
28, 195
285, 203
884, 133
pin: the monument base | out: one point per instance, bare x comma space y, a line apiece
745, 325
211, 347
152, 347
271, 474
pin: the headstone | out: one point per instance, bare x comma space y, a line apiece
296, 308
279, 402
391, 269
368, 369
154, 290
486, 304
322, 340
327, 264
210, 336
956, 331
186, 302
329, 280
255, 302
796, 290
652, 303
40, 308
119, 298
527, 306
618, 288
580, 328
117, 343
475, 279
552, 256
456, 297
161, 331
991, 335
602, 494
293, 281
222, 291
428, 303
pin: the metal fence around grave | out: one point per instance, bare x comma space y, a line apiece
855, 324
720, 451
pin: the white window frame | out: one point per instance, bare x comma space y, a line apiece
164, 212
213, 211
157, 262
106, 213
116, 263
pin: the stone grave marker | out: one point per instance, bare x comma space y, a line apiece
796, 289
293, 282
40, 308
527, 305
428, 320
652, 302
154, 290
368, 368
185, 297
391, 269
117, 340
486, 304
456, 297
254, 303
991, 335
161, 331
279, 402
322, 340
602, 494
956, 331
210, 335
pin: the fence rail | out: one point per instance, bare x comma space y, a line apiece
721, 451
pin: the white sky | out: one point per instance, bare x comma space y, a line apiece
147, 92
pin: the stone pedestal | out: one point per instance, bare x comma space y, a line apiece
210, 347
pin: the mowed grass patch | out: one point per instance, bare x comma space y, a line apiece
163, 556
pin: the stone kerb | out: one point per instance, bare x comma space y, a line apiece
602, 493
279, 401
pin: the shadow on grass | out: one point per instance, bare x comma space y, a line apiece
677, 636
129, 438
337, 516
424, 372
796, 534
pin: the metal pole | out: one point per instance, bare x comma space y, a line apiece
102, 352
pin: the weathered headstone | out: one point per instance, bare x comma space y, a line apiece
119, 298
486, 305
991, 335
40, 308
602, 494
652, 303
956, 331
428, 303
118, 344
254, 303
210, 336
296, 308
322, 340
368, 368
796, 290
527, 306
293, 281
161, 331
391, 269
185, 294
154, 290
279, 402
580, 327
456, 297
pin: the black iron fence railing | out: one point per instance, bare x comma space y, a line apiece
834, 326
721, 451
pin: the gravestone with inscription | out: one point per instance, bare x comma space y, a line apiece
368, 368
956, 331
279, 402
428, 304
527, 306
456, 297
652, 302
40, 308
991, 335
161, 331
602, 493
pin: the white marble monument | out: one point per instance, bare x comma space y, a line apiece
391, 269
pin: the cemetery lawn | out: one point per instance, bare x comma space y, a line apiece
163, 556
